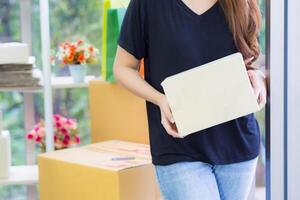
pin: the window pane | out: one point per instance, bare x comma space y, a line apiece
10, 21
11, 104
69, 20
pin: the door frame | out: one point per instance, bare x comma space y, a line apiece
275, 108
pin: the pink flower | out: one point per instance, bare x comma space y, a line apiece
38, 138
71, 123
66, 142
41, 132
64, 131
77, 139
67, 137
58, 125
79, 41
57, 117
52, 60
30, 136
36, 128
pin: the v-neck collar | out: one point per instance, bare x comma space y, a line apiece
193, 13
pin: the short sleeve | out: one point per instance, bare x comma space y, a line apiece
132, 33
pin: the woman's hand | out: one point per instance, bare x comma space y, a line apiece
258, 82
167, 119
126, 73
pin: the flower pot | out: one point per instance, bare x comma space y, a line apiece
43, 148
78, 73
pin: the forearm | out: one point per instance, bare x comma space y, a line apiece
130, 79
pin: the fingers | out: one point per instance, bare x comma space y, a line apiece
170, 127
169, 115
167, 119
262, 99
168, 123
258, 88
254, 82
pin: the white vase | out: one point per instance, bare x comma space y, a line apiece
78, 72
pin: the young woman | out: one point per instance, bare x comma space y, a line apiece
173, 36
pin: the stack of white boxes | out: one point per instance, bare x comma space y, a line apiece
16, 66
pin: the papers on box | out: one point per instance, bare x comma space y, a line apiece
210, 94
102, 157
130, 148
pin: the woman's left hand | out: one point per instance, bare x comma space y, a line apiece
259, 85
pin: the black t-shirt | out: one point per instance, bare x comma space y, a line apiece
172, 38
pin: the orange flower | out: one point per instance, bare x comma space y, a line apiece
91, 49
80, 58
73, 48
72, 52
70, 57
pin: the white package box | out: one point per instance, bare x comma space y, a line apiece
210, 94
14, 53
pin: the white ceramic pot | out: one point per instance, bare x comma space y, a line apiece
78, 72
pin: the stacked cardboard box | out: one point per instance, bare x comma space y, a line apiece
112, 170
16, 66
116, 114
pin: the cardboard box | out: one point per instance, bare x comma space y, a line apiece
210, 94
94, 172
116, 114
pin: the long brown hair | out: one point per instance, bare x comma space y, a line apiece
244, 20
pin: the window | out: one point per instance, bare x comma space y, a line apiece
66, 18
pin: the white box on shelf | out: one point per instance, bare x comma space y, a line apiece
210, 94
5, 154
14, 53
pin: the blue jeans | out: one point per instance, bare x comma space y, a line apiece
203, 181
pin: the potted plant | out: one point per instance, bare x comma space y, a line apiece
76, 55
65, 133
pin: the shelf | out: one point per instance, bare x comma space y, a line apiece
22, 174
67, 82
63, 82
21, 89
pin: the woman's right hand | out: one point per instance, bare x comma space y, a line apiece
167, 119
126, 73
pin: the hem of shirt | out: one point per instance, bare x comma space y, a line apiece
175, 159
129, 49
